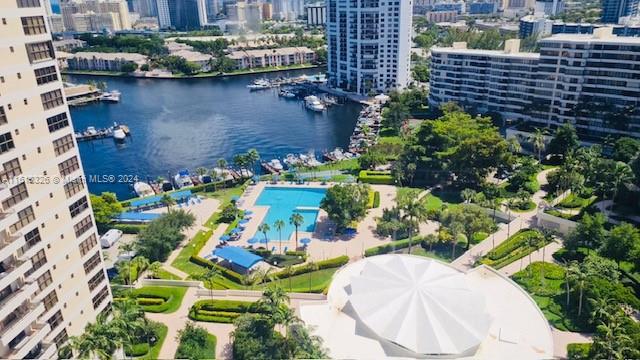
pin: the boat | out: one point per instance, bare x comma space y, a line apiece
312, 102
110, 96
287, 94
291, 160
183, 179
91, 130
119, 134
276, 165
259, 84
143, 189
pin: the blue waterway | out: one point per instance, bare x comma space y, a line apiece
178, 124
283, 202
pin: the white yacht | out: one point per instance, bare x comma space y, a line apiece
276, 165
91, 130
111, 96
143, 189
259, 84
183, 179
312, 102
119, 134
287, 94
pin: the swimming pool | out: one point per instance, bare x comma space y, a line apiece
283, 202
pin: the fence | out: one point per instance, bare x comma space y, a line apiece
558, 224
161, 282
255, 294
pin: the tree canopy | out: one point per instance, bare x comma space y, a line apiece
346, 203
105, 207
163, 235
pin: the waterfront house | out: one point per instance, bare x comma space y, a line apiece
96, 61
247, 59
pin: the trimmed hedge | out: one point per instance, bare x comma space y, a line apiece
159, 299
578, 351
324, 264
227, 273
143, 301
221, 311
376, 177
137, 350
129, 228
376, 199
511, 250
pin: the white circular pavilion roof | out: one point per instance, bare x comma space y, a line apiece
420, 304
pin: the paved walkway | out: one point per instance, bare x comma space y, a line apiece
563, 338
518, 265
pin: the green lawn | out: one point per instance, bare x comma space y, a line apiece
192, 248
224, 196
433, 202
167, 275
512, 249
171, 295
319, 281
345, 165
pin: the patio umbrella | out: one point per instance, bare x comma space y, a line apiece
235, 198
253, 240
243, 221
225, 237
236, 231
248, 212
305, 241
264, 241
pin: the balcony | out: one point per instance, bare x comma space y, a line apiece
48, 351
12, 270
13, 301
25, 319
31, 345
9, 244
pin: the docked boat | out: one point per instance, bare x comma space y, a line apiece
291, 160
119, 134
259, 84
287, 94
111, 96
143, 189
312, 102
276, 165
91, 130
183, 179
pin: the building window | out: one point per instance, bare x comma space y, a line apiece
58, 122
3, 115
96, 280
100, 297
10, 169
69, 166
62, 145
88, 244
83, 226
40, 51
38, 260
92, 263
78, 207
25, 217
6, 143
73, 187
44, 280
32, 238
46, 75
61, 338
33, 25
18, 193
52, 99
50, 300
55, 320
28, 3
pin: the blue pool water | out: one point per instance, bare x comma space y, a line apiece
283, 202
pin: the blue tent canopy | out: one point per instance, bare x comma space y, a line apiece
237, 256
150, 200
136, 217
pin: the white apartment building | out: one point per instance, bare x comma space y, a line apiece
591, 81
52, 280
95, 15
369, 43
104, 61
246, 59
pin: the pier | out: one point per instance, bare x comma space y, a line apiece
95, 134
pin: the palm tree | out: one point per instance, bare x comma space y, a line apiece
202, 171
264, 228
154, 269
580, 277
289, 271
274, 300
167, 201
296, 220
547, 238
414, 212
279, 225
538, 143
141, 263
514, 145
467, 195
621, 174
252, 157
456, 229
208, 277
222, 164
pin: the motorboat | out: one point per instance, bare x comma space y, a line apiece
91, 130
291, 160
110, 96
276, 165
183, 179
143, 189
259, 84
119, 134
287, 94
312, 102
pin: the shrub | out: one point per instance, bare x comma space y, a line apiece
159, 299
387, 248
222, 311
195, 343
262, 252
137, 350
324, 264
578, 351
129, 228
376, 199
150, 301
376, 177
512, 249
371, 199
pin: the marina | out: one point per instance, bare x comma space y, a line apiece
118, 132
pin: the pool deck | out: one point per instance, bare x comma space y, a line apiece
324, 245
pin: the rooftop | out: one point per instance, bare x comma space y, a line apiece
109, 56
266, 52
238, 256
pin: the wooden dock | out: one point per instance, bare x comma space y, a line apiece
100, 133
